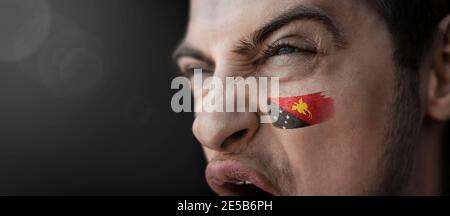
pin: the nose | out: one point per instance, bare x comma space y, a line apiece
228, 132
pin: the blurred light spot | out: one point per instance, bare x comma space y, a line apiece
70, 63
24, 25
73, 70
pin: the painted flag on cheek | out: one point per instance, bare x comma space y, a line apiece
302, 111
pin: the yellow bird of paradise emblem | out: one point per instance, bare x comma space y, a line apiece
302, 108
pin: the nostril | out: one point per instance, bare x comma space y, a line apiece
238, 135
233, 138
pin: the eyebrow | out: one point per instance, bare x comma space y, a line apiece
256, 38
185, 50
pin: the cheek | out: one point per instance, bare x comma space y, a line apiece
357, 135
342, 155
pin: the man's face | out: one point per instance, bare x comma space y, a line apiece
340, 48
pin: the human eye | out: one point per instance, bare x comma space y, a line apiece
289, 56
288, 51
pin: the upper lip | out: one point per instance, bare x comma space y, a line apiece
223, 176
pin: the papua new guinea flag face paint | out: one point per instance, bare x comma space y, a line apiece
302, 111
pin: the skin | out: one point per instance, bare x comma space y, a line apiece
342, 156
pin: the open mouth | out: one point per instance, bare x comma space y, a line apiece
233, 178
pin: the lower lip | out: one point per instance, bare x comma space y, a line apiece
221, 172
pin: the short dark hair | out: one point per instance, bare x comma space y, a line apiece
412, 24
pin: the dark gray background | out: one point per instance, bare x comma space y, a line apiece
89, 112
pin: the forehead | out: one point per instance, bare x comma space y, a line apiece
220, 11
225, 21
216, 10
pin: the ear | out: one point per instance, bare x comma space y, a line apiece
439, 83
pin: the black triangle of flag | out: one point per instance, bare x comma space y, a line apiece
285, 120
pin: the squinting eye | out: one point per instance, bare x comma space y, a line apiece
286, 50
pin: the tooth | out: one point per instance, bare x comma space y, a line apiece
248, 182
240, 182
